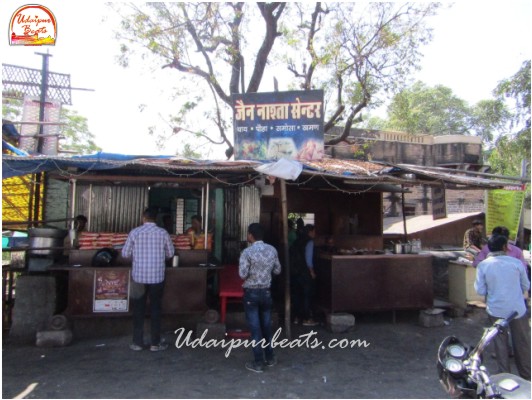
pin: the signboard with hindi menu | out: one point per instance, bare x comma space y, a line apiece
270, 126
504, 209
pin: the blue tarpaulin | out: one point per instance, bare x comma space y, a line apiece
17, 165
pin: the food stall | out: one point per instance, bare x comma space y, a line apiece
362, 275
344, 197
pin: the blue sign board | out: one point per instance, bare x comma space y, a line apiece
270, 126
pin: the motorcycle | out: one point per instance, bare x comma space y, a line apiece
462, 374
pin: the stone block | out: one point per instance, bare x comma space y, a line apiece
36, 301
431, 318
214, 331
54, 338
340, 322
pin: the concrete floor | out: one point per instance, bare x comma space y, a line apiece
398, 362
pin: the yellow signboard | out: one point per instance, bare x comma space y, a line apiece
504, 209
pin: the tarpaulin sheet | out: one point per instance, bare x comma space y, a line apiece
19, 165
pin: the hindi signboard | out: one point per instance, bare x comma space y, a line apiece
439, 204
504, 209
270, 126
111, 290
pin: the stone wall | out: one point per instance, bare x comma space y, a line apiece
419, 200
405, 148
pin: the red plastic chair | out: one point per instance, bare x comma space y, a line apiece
230, 288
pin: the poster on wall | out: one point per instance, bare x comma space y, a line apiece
271, 126
111, 290
504, 209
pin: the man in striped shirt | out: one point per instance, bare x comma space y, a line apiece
149, 246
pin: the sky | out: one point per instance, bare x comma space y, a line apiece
476, 44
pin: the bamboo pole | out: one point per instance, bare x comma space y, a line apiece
284, 224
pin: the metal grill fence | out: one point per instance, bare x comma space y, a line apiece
20, 81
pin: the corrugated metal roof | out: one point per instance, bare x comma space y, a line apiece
352, 171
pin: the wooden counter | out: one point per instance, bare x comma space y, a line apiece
185, 291
461, 284
374, 282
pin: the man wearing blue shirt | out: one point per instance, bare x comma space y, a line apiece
503, 280
149, 246
256, 265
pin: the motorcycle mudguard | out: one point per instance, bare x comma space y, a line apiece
512, 386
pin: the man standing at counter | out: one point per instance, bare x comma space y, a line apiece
149, 246
511, 250
474, 238
257, 263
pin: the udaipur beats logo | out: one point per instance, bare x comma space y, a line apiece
32, 25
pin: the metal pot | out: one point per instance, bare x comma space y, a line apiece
398, 248
402, 248
41, 239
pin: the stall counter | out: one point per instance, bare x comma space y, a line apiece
104, 291
351, 283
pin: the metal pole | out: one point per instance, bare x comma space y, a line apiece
90, 208
206, 214
404, 214
73, 202
39, 176
521, 233
284, 224
42, 104
202, 212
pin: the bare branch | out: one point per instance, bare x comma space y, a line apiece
236, 54
207, 75
271, 12
310, 46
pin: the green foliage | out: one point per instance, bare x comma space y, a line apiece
373, 123
511, 149
77, 137
503, 123
506, 157
421, 109
11, 109
489, 119
189, 152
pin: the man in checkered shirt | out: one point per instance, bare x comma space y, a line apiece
149, 246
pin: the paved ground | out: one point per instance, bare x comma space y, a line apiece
398, 363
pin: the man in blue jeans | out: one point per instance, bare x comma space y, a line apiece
149, 246
503, 280
257, 263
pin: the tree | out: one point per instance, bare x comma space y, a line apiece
510, 150
354, 52
76, 135
421, 109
